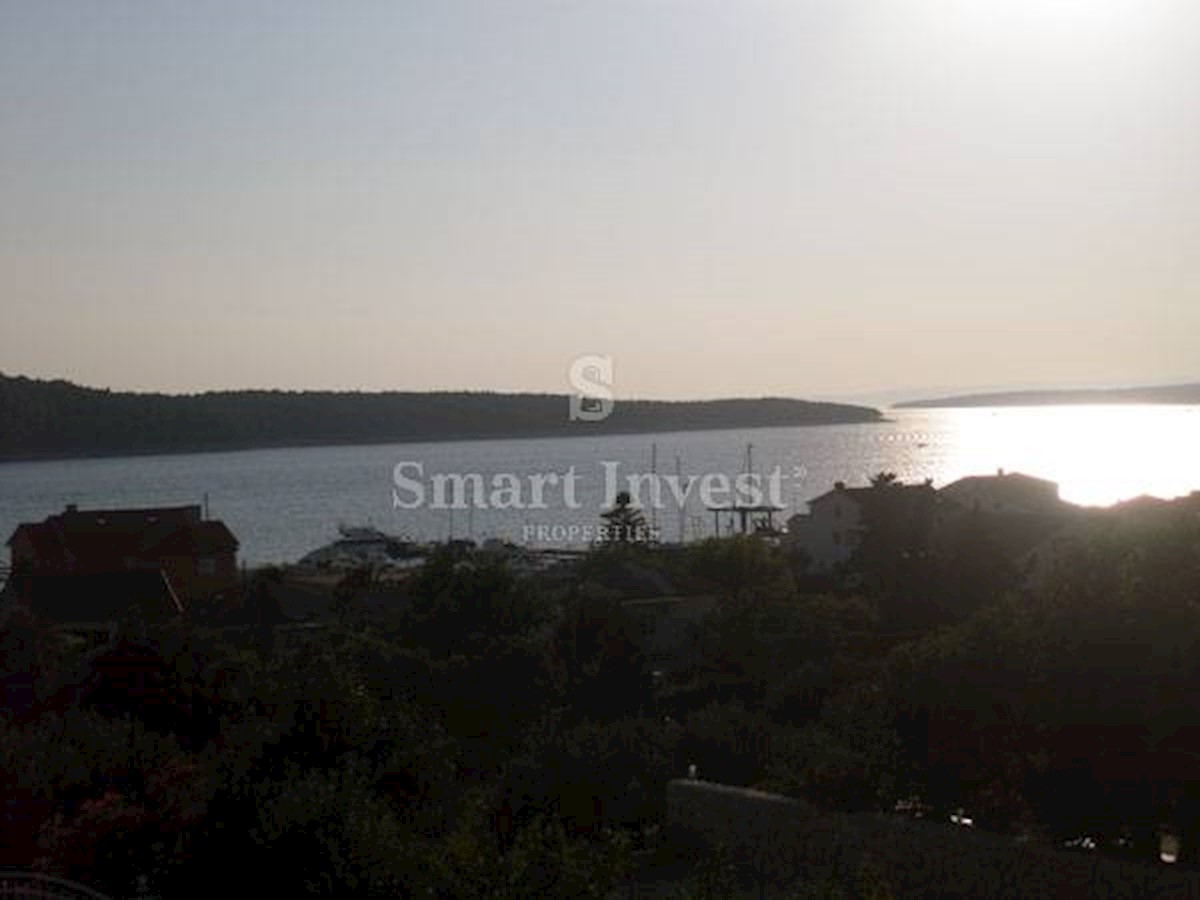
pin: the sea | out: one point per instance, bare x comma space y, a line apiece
282, 503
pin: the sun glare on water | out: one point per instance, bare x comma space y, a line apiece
1099, 455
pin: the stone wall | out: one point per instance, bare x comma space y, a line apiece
786, 841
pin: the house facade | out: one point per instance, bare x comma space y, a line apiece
1007, 493
1017, 509
195, 558
831, 530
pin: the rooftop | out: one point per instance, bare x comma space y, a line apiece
96, 538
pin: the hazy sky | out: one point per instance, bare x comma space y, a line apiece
729, 198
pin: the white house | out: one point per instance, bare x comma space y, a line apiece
829, 533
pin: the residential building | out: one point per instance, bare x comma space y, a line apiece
83, 562
1006, 492
832, 530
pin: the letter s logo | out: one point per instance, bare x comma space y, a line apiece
592, 378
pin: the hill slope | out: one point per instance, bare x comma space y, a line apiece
1173, 393
57, 418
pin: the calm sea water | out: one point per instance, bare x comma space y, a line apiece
282, 503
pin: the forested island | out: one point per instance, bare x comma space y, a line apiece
45, 419
1171, 393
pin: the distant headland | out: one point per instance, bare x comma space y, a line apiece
59, 419
1172, 393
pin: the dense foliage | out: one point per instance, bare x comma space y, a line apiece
489, 735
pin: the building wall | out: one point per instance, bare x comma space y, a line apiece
21, 553
193, 581
194, 577
829, 534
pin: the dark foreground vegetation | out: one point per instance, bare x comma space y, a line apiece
57, 418
476, 734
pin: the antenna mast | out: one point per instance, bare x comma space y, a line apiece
682, 503
654, 492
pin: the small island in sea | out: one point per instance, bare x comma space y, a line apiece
48, 419
1183, 394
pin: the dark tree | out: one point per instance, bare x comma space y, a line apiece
624, 523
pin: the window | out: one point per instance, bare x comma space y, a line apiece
206, 565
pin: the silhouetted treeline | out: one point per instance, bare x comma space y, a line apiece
58, 418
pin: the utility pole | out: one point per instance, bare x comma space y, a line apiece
654, 493
683, 503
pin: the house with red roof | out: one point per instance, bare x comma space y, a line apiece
90, 565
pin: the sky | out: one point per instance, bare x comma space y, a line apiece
811, 198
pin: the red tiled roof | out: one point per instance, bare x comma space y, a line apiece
98, 539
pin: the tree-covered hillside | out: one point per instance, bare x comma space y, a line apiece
58, 418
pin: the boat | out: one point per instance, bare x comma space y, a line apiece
364, 545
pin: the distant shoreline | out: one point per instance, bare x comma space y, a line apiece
1173, 395
450, 439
